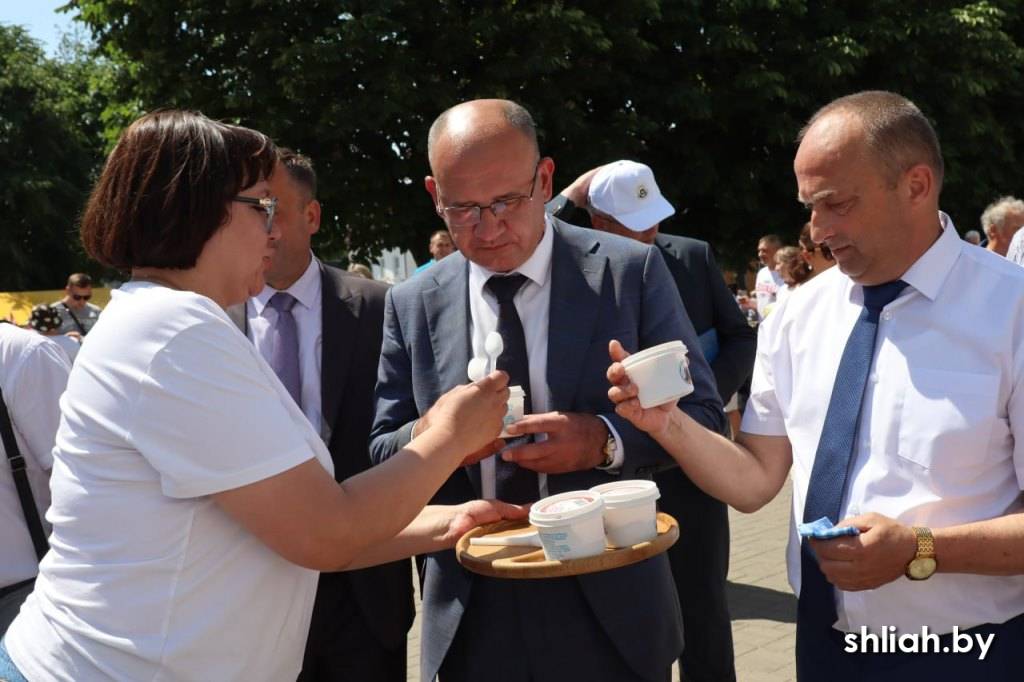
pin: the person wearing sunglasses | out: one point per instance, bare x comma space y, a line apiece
77, 314
192, 501
817, 256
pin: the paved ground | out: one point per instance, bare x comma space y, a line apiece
762, 605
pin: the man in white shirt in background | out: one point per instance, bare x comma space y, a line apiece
768, 280
1001, 220
932, 586
33, 375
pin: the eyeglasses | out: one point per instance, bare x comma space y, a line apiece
83, 297
825, 251
505, 209
269, 204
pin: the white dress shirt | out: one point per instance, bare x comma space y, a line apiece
936, 444
766, 287
533, 303
308, 314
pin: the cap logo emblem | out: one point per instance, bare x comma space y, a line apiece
641, 192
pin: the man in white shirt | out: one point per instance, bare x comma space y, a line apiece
768, 280
360, 618
934, 468
33, 375
1001, 220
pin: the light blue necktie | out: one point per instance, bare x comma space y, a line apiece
284, 345
835, 447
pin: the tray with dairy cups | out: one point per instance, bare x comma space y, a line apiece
584, 531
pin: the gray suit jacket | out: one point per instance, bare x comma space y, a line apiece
603, 287
710, 305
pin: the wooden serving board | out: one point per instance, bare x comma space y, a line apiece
529, 562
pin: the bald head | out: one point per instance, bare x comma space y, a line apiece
477, 121
895, 132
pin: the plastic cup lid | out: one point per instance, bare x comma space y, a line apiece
569, 506
654, 351
618, 492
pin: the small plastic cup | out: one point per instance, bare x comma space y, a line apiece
570, 525
630, 515
516, 408
660, 373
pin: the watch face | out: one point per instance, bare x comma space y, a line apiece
921, 568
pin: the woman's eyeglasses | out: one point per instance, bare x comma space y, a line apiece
825, 251
269, 204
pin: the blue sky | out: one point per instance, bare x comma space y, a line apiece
40, 18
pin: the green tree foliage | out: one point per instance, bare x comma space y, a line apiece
50, 146
710, 93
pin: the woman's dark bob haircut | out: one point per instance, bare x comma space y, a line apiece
167, 187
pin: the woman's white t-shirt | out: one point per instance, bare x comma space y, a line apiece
148, 579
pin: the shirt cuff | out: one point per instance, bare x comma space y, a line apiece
618, 451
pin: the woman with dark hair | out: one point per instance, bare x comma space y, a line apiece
193, 503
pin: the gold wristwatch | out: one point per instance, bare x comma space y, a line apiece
608, 451
923, 565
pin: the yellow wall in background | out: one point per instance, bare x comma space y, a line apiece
17, 305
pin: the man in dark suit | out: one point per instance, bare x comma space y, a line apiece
623, 198
577, 290
360, 618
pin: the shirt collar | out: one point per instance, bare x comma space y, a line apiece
929, 272
537, 267
304, 289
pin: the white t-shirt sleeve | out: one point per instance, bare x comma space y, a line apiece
33, 399
207, 418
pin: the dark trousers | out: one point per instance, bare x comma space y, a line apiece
700, 568
821, 655
508, 635
341, 647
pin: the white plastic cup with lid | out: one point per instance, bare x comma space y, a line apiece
570, 525
660, 373
516, 408
630, 513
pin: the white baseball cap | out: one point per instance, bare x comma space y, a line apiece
626, 191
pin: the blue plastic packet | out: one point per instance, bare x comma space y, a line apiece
823, 529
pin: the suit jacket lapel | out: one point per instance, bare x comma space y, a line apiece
577, 271
447, 312
340, 312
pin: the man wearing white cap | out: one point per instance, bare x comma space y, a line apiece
623, 198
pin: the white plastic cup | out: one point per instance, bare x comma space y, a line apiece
660, 373
570, 525
516, 408
630, 514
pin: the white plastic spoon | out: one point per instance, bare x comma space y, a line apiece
494, 344
531, 539
477, 369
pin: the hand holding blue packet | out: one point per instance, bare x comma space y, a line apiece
823, 529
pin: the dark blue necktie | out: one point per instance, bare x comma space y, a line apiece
832, 460
513, 483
